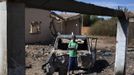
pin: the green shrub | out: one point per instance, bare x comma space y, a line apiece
104, 27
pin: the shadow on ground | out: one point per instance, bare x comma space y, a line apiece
99, 66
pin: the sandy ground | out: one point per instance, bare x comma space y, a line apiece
36, 56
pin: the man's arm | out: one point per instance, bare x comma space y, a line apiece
76, 45
69, 45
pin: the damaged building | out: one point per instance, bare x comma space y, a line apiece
41, 26
131, 25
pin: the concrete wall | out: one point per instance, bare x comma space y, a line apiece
60, 26
3, 38
131, 29
32, 14
16, 38
73, 26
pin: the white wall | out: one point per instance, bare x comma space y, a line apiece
3, 39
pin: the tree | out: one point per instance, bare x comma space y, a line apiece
89, 20
86, 20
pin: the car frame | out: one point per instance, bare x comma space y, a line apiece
58, 58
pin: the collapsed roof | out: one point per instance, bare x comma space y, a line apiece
66, 17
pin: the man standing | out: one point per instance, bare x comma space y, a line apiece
72, 46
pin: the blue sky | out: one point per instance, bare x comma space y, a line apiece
112, 3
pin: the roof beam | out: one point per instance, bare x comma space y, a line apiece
73, 6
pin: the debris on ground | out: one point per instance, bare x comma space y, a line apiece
36, 56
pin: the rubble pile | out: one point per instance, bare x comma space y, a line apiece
36, 56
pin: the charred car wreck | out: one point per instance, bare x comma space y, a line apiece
58, 58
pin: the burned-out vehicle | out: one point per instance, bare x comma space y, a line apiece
58, 58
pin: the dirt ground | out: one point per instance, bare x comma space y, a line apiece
36, 56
